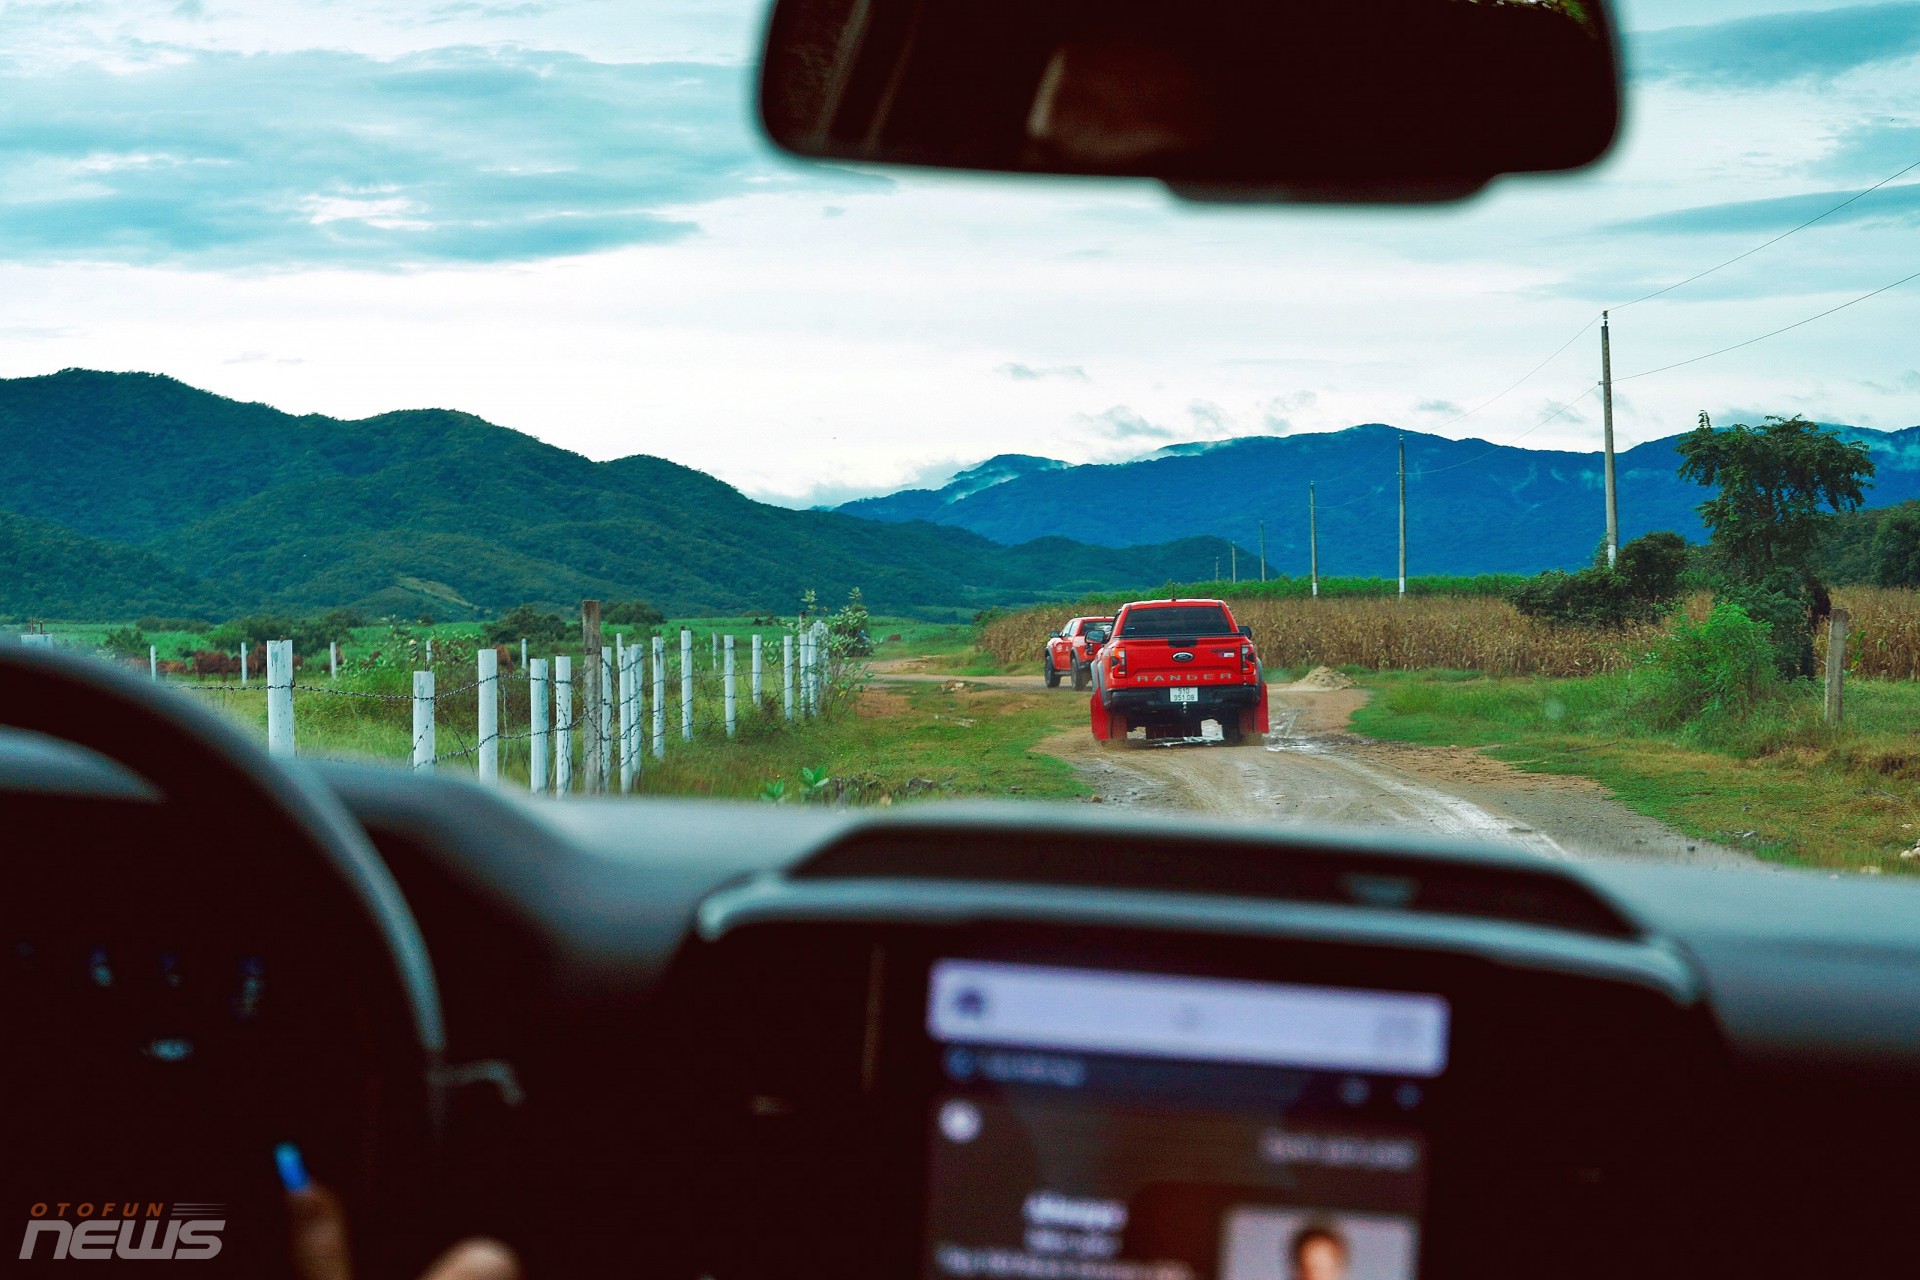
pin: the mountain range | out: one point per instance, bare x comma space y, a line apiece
123, 494
1472, 506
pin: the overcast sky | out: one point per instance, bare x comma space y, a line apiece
558, 215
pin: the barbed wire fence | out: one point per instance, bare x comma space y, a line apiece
481, 708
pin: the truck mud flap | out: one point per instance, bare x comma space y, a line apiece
1254, 721
1106, 725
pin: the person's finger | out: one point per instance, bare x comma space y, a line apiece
319, 1231
475, 1260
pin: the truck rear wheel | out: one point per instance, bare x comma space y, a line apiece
1049, 672
1082, 676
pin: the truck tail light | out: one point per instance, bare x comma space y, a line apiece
1119, 662
1246, 655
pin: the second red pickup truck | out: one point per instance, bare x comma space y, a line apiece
1070, 650
1172, 665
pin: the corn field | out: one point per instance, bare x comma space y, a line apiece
1477, 633
1883, 639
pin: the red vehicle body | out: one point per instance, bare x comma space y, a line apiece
1070, 651
1172, 665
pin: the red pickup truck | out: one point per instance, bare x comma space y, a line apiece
1172, 665
1070, 651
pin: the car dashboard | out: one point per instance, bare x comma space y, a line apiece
736, 1041
1051, 1042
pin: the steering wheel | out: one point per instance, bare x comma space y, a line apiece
202, 959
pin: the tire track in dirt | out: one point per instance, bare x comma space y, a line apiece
1311, 771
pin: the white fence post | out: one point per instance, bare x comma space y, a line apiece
733, 718
523, 653
629, 722
243, 664
562, 724
713, 660
806, 674
153, 662
429, 650
489, 713
537, 696
686, 684
423, 720
659, 697
279, 697
753, 678
333, 659
606, 718
786, 672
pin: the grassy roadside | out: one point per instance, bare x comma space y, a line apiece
891, 744
894, 743
1787, 789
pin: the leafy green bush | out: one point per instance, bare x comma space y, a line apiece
1784, 605
528, 622
631, 613
1640, 586
125, 642
255, 629
847, 629
1701, 676
1654, 566
1896, 547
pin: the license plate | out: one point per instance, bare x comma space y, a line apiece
1184, 695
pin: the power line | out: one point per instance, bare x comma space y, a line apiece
1647, 373
1529, 375
1698, 275
1508, 444
1776, 240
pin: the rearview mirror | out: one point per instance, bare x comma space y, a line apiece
1356, 100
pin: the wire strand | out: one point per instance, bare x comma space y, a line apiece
1774, 333
1701, 275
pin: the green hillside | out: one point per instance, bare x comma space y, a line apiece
231, 505
50, 571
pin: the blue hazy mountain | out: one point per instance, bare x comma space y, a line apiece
1472, 506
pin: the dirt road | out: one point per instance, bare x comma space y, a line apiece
1311, 770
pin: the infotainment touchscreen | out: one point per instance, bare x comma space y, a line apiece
1097, 1125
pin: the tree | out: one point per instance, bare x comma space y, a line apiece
1896, 547
1779, 484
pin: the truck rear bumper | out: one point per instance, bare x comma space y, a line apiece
1141, 705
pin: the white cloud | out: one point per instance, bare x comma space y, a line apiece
815, 350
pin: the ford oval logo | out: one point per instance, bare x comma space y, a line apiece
1183, 657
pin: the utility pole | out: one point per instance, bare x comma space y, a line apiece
1263, 551
1216, 568
1606, 415
1403, 516
1233, 560
1313, 541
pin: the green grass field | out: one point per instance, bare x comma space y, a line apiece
1783, 787
876, 747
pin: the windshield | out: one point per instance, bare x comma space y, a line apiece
1175, 620
477, 389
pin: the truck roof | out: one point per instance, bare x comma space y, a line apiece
1164, 604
